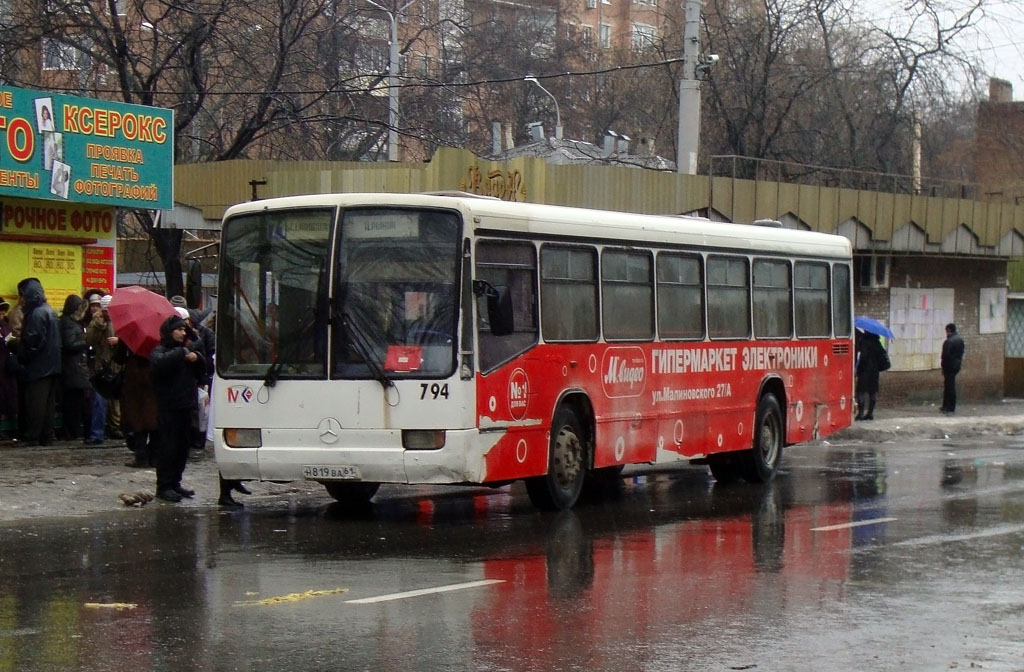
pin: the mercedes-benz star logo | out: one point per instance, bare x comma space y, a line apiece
329, 429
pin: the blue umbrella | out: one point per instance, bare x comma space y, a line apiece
872, 326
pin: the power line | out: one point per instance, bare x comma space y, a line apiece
382, 86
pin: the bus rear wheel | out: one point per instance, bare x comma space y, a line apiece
559, 489
762, 461
726, 468
351, 492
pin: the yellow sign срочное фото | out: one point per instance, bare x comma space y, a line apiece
58, 267
26, 225
23, 218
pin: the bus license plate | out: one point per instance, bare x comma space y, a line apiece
319, 472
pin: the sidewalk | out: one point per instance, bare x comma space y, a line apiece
70, 478
1005, 417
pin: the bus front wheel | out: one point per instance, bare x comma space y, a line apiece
559, 489
762, 461
351, 492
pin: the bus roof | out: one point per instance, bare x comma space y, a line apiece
492, 216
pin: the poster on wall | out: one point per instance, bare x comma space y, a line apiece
98, 268
918, 318
85, 150
992, 310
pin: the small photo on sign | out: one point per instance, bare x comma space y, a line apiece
44, 115
60, 181
53, 149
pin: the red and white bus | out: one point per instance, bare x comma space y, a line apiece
428, 338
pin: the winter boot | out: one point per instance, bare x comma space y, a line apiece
225, 498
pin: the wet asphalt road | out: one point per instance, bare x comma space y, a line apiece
906, 555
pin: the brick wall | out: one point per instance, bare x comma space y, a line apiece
982, 373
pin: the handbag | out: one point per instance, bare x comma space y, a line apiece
883, 361
107, 383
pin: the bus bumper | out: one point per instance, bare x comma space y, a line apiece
377, 455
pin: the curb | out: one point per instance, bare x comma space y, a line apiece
71, 444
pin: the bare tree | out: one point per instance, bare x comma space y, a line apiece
807, 81
245, 79
801, 81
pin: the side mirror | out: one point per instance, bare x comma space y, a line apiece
499, 311
499, 306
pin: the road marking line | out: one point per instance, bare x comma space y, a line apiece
997, 531
859, 523
424, 591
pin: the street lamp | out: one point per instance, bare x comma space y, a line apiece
558, 116
392, 78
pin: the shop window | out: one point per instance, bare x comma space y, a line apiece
873, 272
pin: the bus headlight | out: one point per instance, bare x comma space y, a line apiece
242, 438
422, 439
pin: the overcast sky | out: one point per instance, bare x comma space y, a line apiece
1000, 43
997, 42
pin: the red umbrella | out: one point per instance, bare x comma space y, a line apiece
137, 314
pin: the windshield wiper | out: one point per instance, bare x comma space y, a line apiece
274, 372
362, 344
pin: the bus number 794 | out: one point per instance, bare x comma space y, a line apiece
434, 390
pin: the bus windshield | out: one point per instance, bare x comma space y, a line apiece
396, 294
271, 317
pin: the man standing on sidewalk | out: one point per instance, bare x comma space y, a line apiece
952, 358
176, 367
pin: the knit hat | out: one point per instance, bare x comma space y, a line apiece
95, 298
169, 325
104, 301
182, 312
178, 301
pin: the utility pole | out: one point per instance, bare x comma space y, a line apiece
392, 78
689, 92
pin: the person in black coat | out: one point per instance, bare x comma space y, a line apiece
74, 367
39, 362
952, 359
870, 361
205, 344
8, 377
208, 340
175, 367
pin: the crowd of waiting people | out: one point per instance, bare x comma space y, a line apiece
48, 363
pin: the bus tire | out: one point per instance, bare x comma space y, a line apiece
559, 489
762, 460
602, 482
351, 492
725, 467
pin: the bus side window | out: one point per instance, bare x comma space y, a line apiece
680, 296
813, 312
627, 293
773, 299
841, 323
513, 268
569, 293
728, 297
